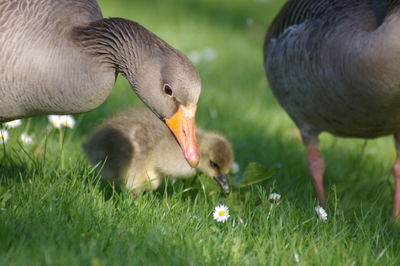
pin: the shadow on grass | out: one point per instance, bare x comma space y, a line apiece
13, 167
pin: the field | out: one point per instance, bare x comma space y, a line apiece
56, 210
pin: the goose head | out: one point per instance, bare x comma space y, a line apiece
216, 158
169, 85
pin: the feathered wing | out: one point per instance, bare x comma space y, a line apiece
296, 12
393, 4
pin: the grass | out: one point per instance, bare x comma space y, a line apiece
67, 216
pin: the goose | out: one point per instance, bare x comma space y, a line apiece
63, 57
135, 150
334, 66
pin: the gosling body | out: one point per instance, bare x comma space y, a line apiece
136, 150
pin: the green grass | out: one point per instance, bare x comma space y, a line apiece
51, 215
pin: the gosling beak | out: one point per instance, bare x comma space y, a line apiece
222, 180
182, 125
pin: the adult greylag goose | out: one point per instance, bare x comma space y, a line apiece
334, 65
134, 149
62, 57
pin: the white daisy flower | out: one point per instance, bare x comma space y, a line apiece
59, 121
13, 124
235, 168
25, 138
195, 57
209, 54
249, 21
67, 121
213, 113
3, 136
296, 257
55, 121
321, 213
221, 213
274, 197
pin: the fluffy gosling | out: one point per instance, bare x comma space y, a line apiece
136, 150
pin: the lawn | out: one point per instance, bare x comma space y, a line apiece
56, 210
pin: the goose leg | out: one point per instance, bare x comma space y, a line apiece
134, 195
316, 167
396, 175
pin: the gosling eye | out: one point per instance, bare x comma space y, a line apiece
214, 165
168, 90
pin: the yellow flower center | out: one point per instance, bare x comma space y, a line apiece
221, 213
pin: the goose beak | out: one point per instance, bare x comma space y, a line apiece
222, 180
182, 125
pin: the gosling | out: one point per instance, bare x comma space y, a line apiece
136, 150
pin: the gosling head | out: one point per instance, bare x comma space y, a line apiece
216, 158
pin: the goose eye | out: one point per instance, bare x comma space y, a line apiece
168, 90
214, 165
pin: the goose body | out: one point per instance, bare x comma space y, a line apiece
335, 66
42, 70
62, 57
340, 71
136, 150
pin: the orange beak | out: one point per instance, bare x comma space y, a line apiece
182, 125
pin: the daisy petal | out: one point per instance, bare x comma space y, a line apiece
55, 121
3, 136
59, 121
25, 138
67, 121
321, 213
235, 168
209, 54
274, 197
221, 213
13, 124
195, 57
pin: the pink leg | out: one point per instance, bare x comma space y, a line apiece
134, 195
396, 200
316, 166
396, 174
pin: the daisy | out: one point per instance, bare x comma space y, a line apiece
195, 57
67, 121
13, 124
249, 21
55, 121
209, 54
59, 121
235, 168
274, 197
25, 138
3, 136
221, 213
296, 257
321, 213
